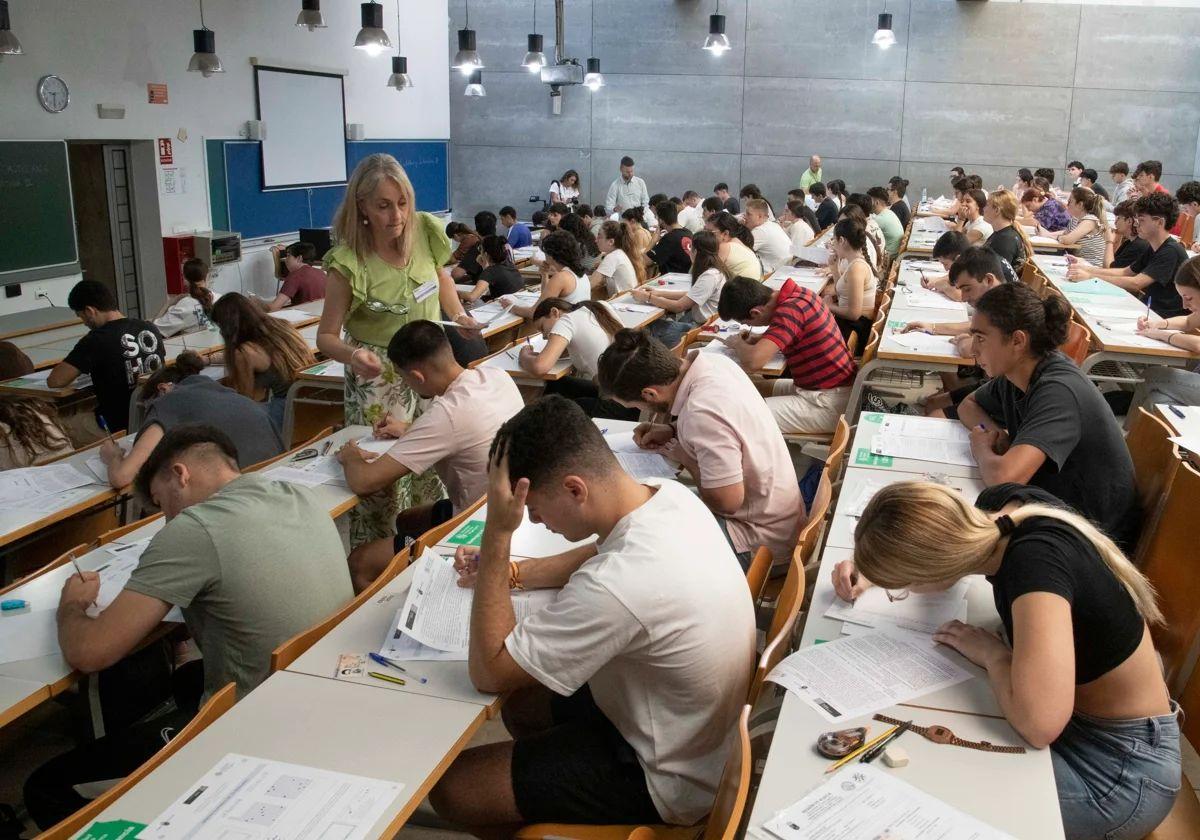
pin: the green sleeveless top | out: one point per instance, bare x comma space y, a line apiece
373, 279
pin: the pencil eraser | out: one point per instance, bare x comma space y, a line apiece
895, 757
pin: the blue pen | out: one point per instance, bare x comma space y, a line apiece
103, 425
383, 660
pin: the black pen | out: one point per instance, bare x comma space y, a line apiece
875, 751
1176, 412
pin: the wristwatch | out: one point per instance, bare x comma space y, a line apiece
942, 735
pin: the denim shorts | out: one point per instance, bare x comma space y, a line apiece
1116, 779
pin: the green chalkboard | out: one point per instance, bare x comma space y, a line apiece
37, 221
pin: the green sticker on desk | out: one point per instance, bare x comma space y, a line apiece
865, 458
873, 417
471, 533
113, 830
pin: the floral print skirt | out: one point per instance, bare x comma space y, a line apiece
367, 402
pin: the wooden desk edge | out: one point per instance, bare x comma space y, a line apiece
110, 495
35, 699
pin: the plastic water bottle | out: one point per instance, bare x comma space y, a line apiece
924, 196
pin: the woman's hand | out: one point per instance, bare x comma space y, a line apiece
978, 645
1145, 323
109, 452
365, 364
466, 563
847, 582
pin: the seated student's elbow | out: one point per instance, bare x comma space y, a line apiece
724, 501
60, 377
88, 657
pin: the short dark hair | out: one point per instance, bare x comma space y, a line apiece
962, 184
750, 191
92, 293
1119, 168
979, 197
1150, 167
1157, 204
1045, 172
538, 218
817, 188
627, 161
1127, 209
195, 269
583, 210
1188, 192
178, 441
739, 296
977, 262
560, 208
950, 244
1025, 175
721, 185
1015, 306
551, 438
1091, 174
667, 212
508, 210
496, 248
863, 202
657, 198
599, 210
305, 251
635, 360
690, 194
416, 342
879, 194
485, 223
1075, 164
961, 172
795, 193
712, 204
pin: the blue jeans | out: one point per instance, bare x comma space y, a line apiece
1116, 779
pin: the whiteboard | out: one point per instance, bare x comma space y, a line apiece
305, 118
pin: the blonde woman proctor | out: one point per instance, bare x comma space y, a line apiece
1078, 674
385, 272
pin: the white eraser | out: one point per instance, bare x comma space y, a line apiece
895, 757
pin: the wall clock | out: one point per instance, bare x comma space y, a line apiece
54, 94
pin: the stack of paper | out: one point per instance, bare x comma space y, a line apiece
926, 344
292, 316
924, 439
25, 483
817, 254
324, 469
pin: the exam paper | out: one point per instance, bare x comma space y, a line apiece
292, 316
28, 482
437, 612
818, 254
919, 612
921, 298
924, 449
862, 802
642, 465
857, 675
402, 648
932, 428
244, 798
96, 464
375, 444
330, 368
324, 469
929, 345
626, 306
1117, 313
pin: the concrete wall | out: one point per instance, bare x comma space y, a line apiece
989, 86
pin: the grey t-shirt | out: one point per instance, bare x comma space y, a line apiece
199, 399
252, 566
1087, 463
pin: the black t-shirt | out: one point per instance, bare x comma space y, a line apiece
1087, 464
503, 279
1162, 265
116, 354
1046, 555
673, 253
827, 212
1006, 243
470, 262
900, 208
1131, 251
732, 205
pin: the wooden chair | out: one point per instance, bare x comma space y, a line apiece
1155, 461
756, 575
1078, 343
293, 648
723, 821
261, 465
1183, 822
837, 450
782, 627
1173, 566
65, 557
808, 539
217, 705
431, 537
116, 533
1032, 277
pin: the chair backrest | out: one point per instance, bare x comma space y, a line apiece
837, 449
783, 625
872, 346
810, 534
1078, 343
1172, 564
852, 344
217, 705
1155, 461
1032, 277
431, 537
65, 557
756, 575
734, 788
291, 650
326, 432
116, 533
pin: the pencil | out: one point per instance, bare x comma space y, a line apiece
845, 759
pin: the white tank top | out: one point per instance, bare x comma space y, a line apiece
581, 292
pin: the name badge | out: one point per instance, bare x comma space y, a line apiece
425, 290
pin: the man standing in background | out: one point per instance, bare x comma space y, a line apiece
628, 191
812, 174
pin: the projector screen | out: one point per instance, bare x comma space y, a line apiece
305, 118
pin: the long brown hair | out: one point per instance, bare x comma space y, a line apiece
706, 254
195, 274
1092, 204
620, 236
188, 363
32, 426
918, 532
604, 317
350, 223
241, 322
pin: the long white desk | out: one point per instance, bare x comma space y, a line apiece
323, 723
19, 521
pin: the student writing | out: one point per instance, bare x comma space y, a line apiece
304, 282
499, 276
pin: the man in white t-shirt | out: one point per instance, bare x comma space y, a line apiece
771, 242
692, 216
452, 436
624, 691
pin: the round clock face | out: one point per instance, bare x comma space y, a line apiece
53, 94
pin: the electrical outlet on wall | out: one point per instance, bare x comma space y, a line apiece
40, 292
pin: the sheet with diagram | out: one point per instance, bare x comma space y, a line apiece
246, 798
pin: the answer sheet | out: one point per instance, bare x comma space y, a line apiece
861, 674
864, 802
292, 316
924, 439
818, 254
96, 463
923, 298
27, 482
929, 345
921, 613
244, 798
643, 465
437, 611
